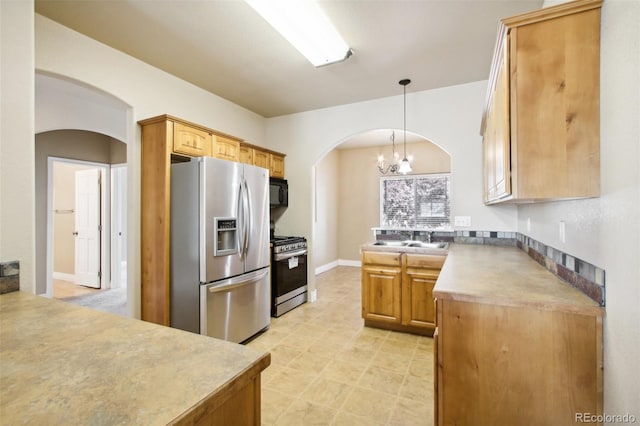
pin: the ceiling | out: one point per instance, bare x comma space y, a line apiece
223, 46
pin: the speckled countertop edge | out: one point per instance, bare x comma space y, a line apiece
506, 276
64, 364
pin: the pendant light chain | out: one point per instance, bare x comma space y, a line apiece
405, 119
404, 166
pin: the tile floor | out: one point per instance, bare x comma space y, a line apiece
328, 369
63, 289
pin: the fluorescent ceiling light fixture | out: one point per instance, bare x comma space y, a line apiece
306, 27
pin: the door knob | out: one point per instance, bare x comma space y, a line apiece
75, 233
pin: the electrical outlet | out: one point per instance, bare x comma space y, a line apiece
462, 221
528, 225
563, 234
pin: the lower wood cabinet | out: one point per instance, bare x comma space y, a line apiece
397, 290
419, 276
381, 293
515, 365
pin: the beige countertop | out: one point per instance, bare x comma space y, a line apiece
506, 276
64, 364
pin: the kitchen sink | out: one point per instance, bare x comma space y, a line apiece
428, 245
411, 243
391, 243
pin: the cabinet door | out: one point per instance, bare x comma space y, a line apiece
277, 165
381, 293
261, 158
435, 377
246, 154
497, 141
555, 65
226, 149
417, 297
190, 141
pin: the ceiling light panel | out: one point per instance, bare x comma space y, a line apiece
306, 27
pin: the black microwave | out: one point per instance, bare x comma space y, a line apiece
278, 192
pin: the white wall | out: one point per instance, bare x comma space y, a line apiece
325, 216
17, 224
146, 90
605, 231
451, 116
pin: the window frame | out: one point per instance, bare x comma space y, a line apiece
416, 177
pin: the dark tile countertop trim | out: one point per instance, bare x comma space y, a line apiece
584, 276
9, 277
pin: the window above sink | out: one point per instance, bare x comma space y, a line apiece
415, 202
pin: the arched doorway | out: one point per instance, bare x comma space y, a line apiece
77, 123
347, 191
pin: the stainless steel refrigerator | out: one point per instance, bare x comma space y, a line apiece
220, 274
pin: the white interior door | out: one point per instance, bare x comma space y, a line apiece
87, 229
118, 226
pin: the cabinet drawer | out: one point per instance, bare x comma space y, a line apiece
425, 261
381, 258
190, 141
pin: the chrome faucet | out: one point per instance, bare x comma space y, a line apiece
429, 235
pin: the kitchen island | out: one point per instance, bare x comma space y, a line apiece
64, 364
513, 343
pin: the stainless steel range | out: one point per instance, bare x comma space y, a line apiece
288, 274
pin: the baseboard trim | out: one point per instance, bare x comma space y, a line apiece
326, 267
340, 262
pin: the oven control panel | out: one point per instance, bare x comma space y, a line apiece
292, 244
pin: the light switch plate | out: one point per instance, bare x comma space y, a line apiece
462, 221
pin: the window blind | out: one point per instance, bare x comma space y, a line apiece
415, 201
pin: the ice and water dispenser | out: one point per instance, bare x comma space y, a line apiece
226, 236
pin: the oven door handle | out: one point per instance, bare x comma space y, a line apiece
283, 256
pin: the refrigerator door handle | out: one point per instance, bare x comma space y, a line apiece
240, 215
247, 221
239, 281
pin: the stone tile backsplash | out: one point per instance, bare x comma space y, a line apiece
582, 275
9, 277
587, 278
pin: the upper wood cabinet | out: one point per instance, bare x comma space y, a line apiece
188, 140
540, 126
226, 148
261, 159
245, 154
276, 162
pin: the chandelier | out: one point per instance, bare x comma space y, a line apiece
404, 166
